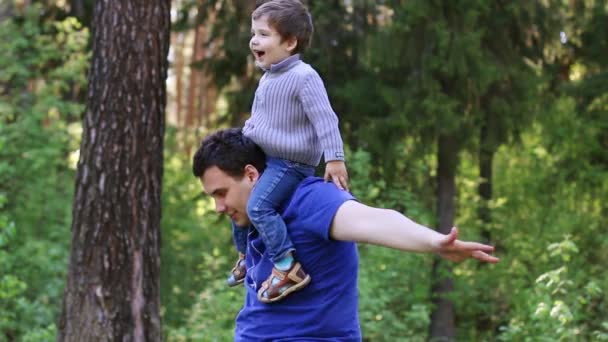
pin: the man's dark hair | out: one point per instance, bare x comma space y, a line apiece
230, 151
290, 18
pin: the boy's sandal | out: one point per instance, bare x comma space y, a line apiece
238, 272
290, 281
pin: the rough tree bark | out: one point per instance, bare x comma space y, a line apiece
442, 326
112, 290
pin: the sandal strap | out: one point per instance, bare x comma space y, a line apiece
280, 275
281, 283
293, 273
237, 269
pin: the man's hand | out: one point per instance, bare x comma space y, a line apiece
358, 222
448, 247
335, 171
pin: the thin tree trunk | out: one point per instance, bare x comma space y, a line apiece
112, 291
6, 10
195, 78
205, 91
241, 108
486, 155
203, 83
442, 326
209, 96
79, 10
179, 75
487, 149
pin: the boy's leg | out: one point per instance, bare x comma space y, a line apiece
239, 236
275, 186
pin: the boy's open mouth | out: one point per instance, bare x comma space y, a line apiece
259, 54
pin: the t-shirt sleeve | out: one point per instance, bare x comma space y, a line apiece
314, 207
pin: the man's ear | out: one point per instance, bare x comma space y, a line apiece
251, 173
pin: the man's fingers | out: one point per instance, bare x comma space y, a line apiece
472, 246
450, 237
482, 256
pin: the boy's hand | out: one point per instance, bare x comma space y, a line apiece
335, 171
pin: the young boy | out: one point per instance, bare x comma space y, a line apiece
293, 122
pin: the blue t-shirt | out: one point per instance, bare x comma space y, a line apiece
326, 309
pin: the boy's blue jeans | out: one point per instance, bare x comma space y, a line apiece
275, 186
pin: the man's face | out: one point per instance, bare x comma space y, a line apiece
266, 45
229, 193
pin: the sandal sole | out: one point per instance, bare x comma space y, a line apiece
294, 288
237, 283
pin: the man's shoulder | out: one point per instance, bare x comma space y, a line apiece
314, 186
314, 192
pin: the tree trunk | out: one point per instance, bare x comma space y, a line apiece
82, 9
486, 155
112, 290
178, 39
194, 82
6, 10
442, 326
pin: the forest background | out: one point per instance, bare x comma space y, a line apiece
490, 114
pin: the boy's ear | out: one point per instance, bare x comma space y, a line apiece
292, 43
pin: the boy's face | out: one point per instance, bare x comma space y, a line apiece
229, 193
266, 45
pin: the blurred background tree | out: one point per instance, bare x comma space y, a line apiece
489, 115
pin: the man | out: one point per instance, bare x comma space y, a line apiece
324, 223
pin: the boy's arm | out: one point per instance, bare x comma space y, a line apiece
357, 222
325, 121
318, 110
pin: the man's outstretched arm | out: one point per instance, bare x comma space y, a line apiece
358, 222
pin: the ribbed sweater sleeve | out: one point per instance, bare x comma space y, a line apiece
318, 110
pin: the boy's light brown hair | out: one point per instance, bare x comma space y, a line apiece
290, 18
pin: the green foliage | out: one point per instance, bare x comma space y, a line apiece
211, 314
548, 225
43, 65
24, 315
561, 305
394, 298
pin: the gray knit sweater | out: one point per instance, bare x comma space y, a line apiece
291, 117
